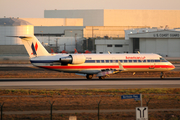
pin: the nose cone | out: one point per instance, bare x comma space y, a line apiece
172, 67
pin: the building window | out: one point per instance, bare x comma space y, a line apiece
119, 45
109, 45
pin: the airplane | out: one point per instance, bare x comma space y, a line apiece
100, 65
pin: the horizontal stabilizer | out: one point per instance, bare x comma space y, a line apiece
32, 45
22, 37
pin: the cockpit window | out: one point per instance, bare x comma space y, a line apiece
162, 59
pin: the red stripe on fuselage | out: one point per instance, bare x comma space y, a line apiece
107, 67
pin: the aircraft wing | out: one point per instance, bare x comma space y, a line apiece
107, 72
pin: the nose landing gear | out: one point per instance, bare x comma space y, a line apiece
162, 76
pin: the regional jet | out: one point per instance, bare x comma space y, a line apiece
100, 65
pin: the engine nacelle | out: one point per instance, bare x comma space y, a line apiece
73, 59
78, 58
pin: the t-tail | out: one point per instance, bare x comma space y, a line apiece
33, 46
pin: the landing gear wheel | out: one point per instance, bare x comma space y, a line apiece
102, 77
162, 75
89, 76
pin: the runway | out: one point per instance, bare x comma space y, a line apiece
122, 83
56, 83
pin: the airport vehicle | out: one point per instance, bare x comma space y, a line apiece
90, 64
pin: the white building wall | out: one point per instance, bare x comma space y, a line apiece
6, 31
102, 46
164, 42
152, 18
90, 17
55, 29
174, 48
55, 21
164, 47
116, 17
73, 33
161, 46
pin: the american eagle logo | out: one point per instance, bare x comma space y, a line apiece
34, 48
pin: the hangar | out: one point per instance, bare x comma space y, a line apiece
165, 42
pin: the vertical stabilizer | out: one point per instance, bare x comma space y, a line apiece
33, 46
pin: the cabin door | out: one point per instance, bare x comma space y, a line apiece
152, 64
114, 61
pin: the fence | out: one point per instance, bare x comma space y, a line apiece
85, 107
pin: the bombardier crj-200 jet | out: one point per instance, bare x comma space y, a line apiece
94, 64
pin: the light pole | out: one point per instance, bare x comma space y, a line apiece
57, 44
93, 42
75, 41
42, 37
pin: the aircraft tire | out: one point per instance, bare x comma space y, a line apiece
89, 76
162, 75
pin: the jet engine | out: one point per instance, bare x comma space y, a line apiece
73, 59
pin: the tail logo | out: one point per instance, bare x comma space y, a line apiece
34, 49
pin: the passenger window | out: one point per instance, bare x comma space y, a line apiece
97, 61
102, 61
107, 61
152, 60
125, 61
134, 60
130, 61
139, 60
148, 60
157, 60
144, 60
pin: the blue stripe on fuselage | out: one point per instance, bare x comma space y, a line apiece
99, 61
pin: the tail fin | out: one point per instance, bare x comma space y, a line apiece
33, 46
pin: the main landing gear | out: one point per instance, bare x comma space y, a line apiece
101, 77
162, 76
89, 76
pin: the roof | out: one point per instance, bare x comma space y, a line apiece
13, 22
